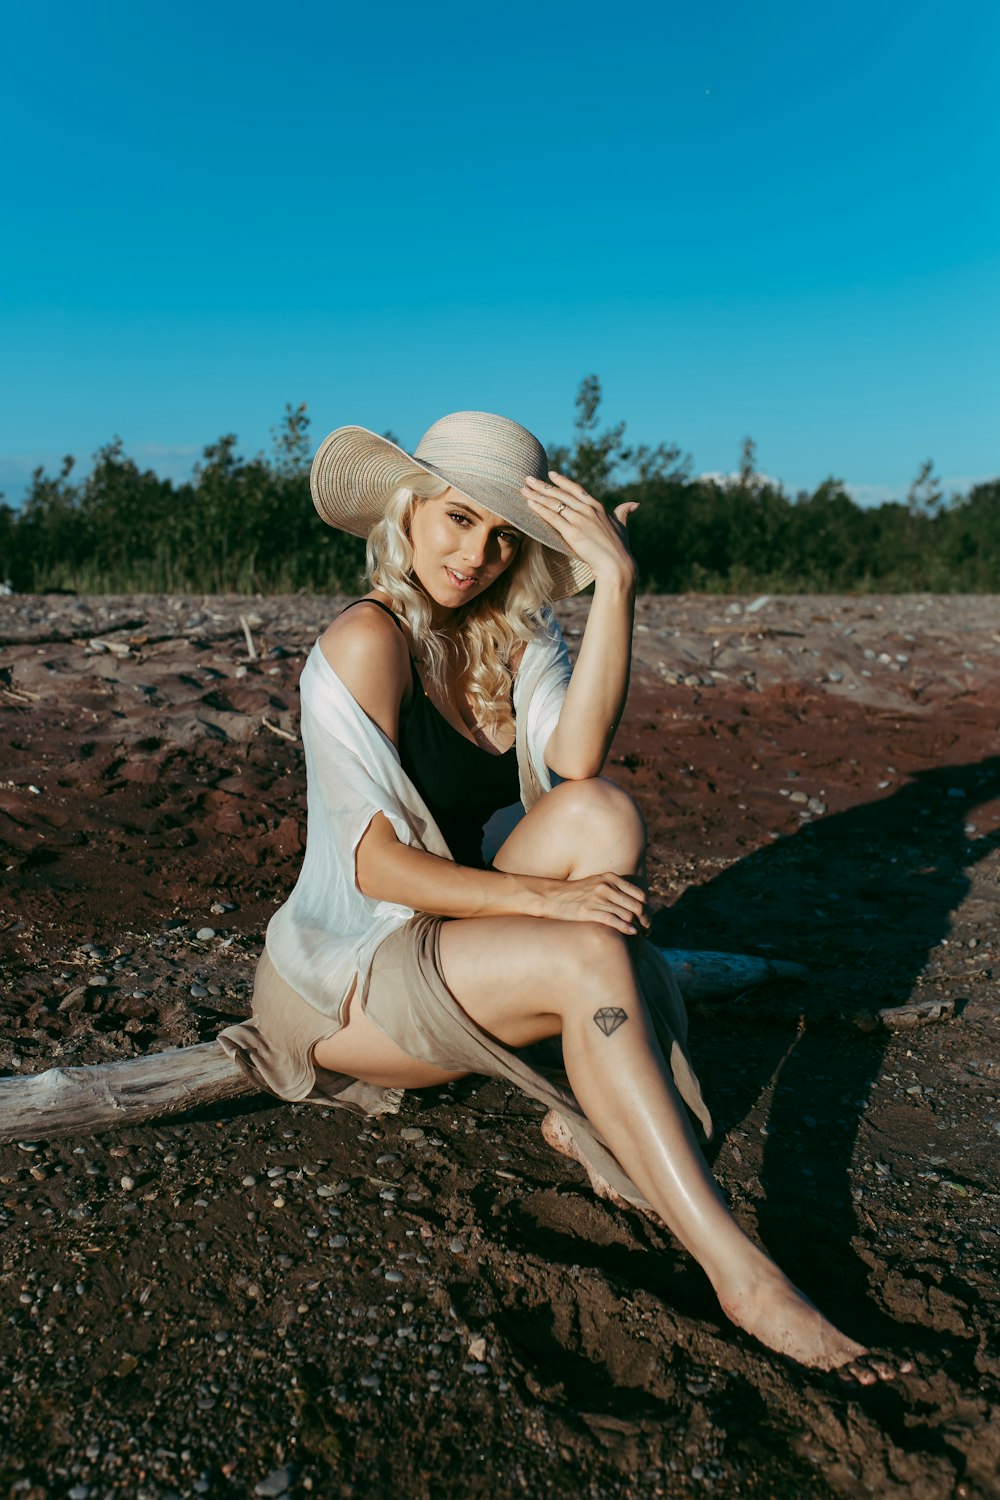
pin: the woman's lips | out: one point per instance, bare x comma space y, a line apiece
460, 580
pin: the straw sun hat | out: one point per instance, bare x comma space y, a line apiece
483, 456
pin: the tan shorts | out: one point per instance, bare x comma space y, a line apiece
408, 999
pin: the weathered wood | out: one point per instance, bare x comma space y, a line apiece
101, 1096
720, 976
66, 1101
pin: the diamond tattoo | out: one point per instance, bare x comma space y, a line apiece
609, 1018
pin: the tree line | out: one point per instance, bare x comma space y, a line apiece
248, 525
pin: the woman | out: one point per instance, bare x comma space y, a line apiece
403, 958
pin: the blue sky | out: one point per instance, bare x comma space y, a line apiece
776, 219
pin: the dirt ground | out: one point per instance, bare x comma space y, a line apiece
260, 1298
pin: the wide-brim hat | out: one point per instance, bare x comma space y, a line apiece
485, 457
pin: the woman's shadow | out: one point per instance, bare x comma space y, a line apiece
862, 898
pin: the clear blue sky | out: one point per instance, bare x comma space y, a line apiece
779, 219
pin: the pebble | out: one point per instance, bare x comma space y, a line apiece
128, 1183
393, 1275
204, 933
199, 991
456, 1246
277, 1482
249, 1180
411, 1133
97, 981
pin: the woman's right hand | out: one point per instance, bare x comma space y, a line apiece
609, 899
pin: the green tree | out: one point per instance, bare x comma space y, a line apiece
290, 439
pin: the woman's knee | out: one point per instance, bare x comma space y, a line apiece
605, 817
594, 956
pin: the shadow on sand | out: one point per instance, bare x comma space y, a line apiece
861, 897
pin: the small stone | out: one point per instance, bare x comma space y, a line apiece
393, 1275
411, 1133
477, 1349
97, 981
834, 676
276, 1483
817, 806
279, 1202
249, 1180
456, 1246
128, 1183
199, 991
204, 933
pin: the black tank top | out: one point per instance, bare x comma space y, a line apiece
462, 784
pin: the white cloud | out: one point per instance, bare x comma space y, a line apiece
718, 477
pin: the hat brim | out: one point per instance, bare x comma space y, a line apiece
355, 471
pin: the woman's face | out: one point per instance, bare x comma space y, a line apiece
459, 548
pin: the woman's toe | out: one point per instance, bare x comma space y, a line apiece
871, 1369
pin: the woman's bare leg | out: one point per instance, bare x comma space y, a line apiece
361, 1049
565, 973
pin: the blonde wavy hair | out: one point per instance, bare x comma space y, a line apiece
481, 638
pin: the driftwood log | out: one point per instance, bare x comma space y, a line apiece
101, 1096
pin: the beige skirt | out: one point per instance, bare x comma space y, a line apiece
406, 996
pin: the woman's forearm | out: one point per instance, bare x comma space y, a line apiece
390, 871
595, 697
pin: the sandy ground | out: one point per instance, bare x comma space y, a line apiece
267, 1299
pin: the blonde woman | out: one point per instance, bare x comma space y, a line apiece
432, 709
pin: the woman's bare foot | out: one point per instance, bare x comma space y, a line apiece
759, 1298
777, 1314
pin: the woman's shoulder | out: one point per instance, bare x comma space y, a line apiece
368, 653
363, 635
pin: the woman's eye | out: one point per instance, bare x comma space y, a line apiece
456, 515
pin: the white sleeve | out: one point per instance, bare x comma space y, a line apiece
539, 693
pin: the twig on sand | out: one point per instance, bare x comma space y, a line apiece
286, 734
248, 637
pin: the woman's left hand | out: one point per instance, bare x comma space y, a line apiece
597, 536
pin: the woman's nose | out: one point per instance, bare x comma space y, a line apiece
474, 550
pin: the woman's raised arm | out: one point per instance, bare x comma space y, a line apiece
595, 697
